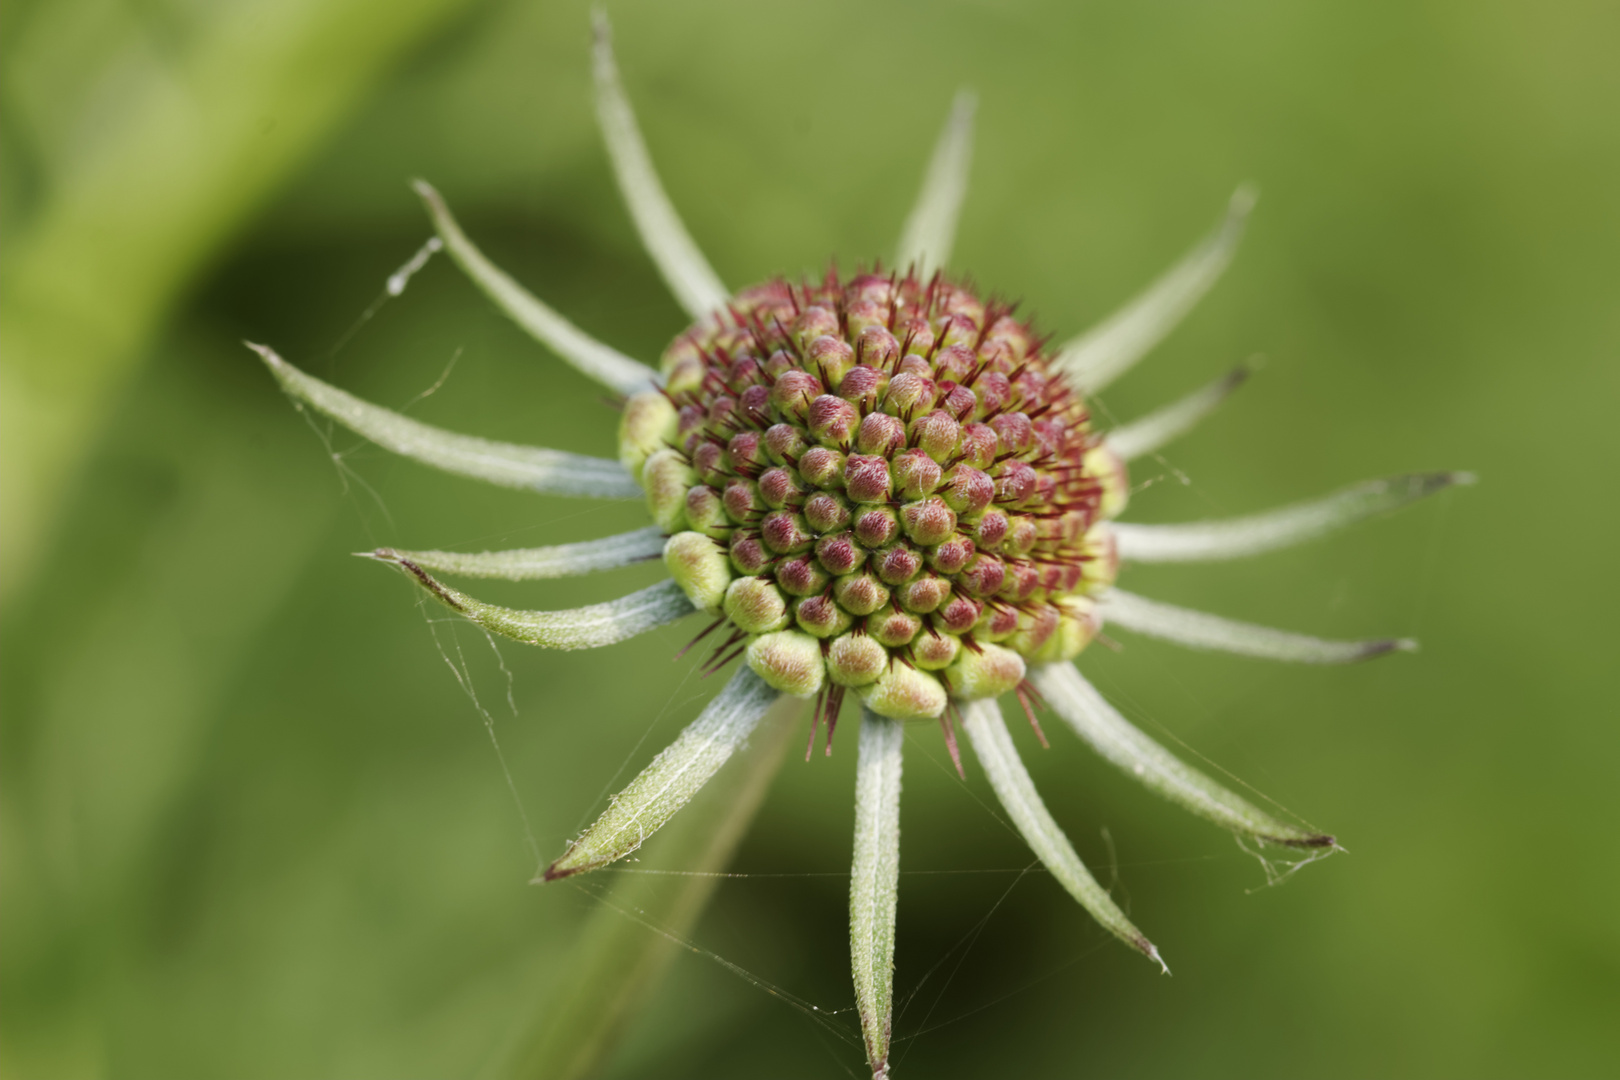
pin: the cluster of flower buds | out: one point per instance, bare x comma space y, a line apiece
880, 484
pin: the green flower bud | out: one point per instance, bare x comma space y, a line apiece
700, 567
904, 693
821, 616
755, 606
647, 424
895, 629
855, 660
1109, 468
933, 652
987, 672
860, 594
666, 478
788, 661
705, 512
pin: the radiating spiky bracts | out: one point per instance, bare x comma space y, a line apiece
876, 481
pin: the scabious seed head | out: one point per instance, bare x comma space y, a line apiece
881, 479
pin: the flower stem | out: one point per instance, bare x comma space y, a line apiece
617, 960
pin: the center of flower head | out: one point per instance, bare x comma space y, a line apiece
881, 484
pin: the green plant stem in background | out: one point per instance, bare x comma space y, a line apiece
620, 956
173, 146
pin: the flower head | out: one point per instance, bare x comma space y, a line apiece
887, 484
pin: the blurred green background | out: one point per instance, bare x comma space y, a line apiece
252, 826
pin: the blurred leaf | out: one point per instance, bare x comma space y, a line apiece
150, 133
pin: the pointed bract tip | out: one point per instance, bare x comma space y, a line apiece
267, 354
557, 871
1463, 478
1385, 646
387, 555
428, 193
1151, 951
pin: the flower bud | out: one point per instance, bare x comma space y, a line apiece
1021, 535
1015, 482
1109, 468
1099, 554
860, 594
863, 315
833, 420
959, 330
876, 526
1014, 433
839, 554
915, 474
648, 423
912, 364
896, 629
709, 462
748, 554
960, 614
987, 672
684, 374
778, 487
954, 362
876, 347
745, 450
994, 393
855, 660
1035, 629
880, 434
784, 444
957, 400
949, 556
826, 512
968, 491
864, 386
908, 393
928, 521
937, 435
801, 576
665, 477
898, 564
815, 321
830, 358
788, 661
866, 478
821, 616
822, 467
990, 531
934, 652
1020, 583
705, 512
924, 594
978, 445
903, 693
793, 391
996, 624
742, 501
785, 532
918, 336
755, 605
755, 406
700, 567
778, 365
983, 576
